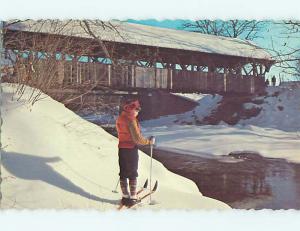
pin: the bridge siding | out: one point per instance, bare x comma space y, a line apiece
128, 77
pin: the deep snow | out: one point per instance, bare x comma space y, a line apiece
52, 158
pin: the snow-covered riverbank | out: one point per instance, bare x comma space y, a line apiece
273, 133
52, 158
213, 140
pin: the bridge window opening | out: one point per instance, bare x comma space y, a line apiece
69, 57
263, 69
178, 67
159, 65
220, 70
83, 59
59, 56
105, 60
247, 69
24, 54
204, 69
141, 63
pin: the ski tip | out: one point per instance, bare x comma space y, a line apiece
146, 184
155, 186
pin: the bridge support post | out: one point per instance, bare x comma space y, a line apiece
170, 78
109, 75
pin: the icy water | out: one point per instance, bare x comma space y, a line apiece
242, 180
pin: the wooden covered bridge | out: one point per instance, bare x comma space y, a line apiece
128, 56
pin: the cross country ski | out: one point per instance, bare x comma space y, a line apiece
121, 205
140, 200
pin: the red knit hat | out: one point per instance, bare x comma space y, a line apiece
131, 106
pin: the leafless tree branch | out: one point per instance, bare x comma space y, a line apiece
243, 29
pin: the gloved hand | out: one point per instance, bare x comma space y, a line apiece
152, 140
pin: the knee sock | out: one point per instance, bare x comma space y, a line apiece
132, 186
124, 187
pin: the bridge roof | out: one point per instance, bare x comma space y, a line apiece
130, 33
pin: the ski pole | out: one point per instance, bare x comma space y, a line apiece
115, 191
151, 153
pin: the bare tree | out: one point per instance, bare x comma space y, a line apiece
36, 58
244, 29
287, 54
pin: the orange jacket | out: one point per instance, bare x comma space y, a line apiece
129, 132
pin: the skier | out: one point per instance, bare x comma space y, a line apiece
130, 136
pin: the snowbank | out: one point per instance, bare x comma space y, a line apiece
52, 158
280, 110
273, 133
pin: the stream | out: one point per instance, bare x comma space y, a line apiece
242, 180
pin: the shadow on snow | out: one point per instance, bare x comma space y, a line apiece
31, 167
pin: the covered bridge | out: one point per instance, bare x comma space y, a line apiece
128, 56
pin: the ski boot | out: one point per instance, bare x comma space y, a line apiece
133, 201
125, 201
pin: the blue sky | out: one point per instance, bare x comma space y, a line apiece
272, 35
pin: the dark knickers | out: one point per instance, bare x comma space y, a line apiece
128, 162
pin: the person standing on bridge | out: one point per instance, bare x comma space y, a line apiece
273, 81
129, 134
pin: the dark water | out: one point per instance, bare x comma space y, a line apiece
242, 180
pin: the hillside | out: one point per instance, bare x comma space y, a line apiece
52, 158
